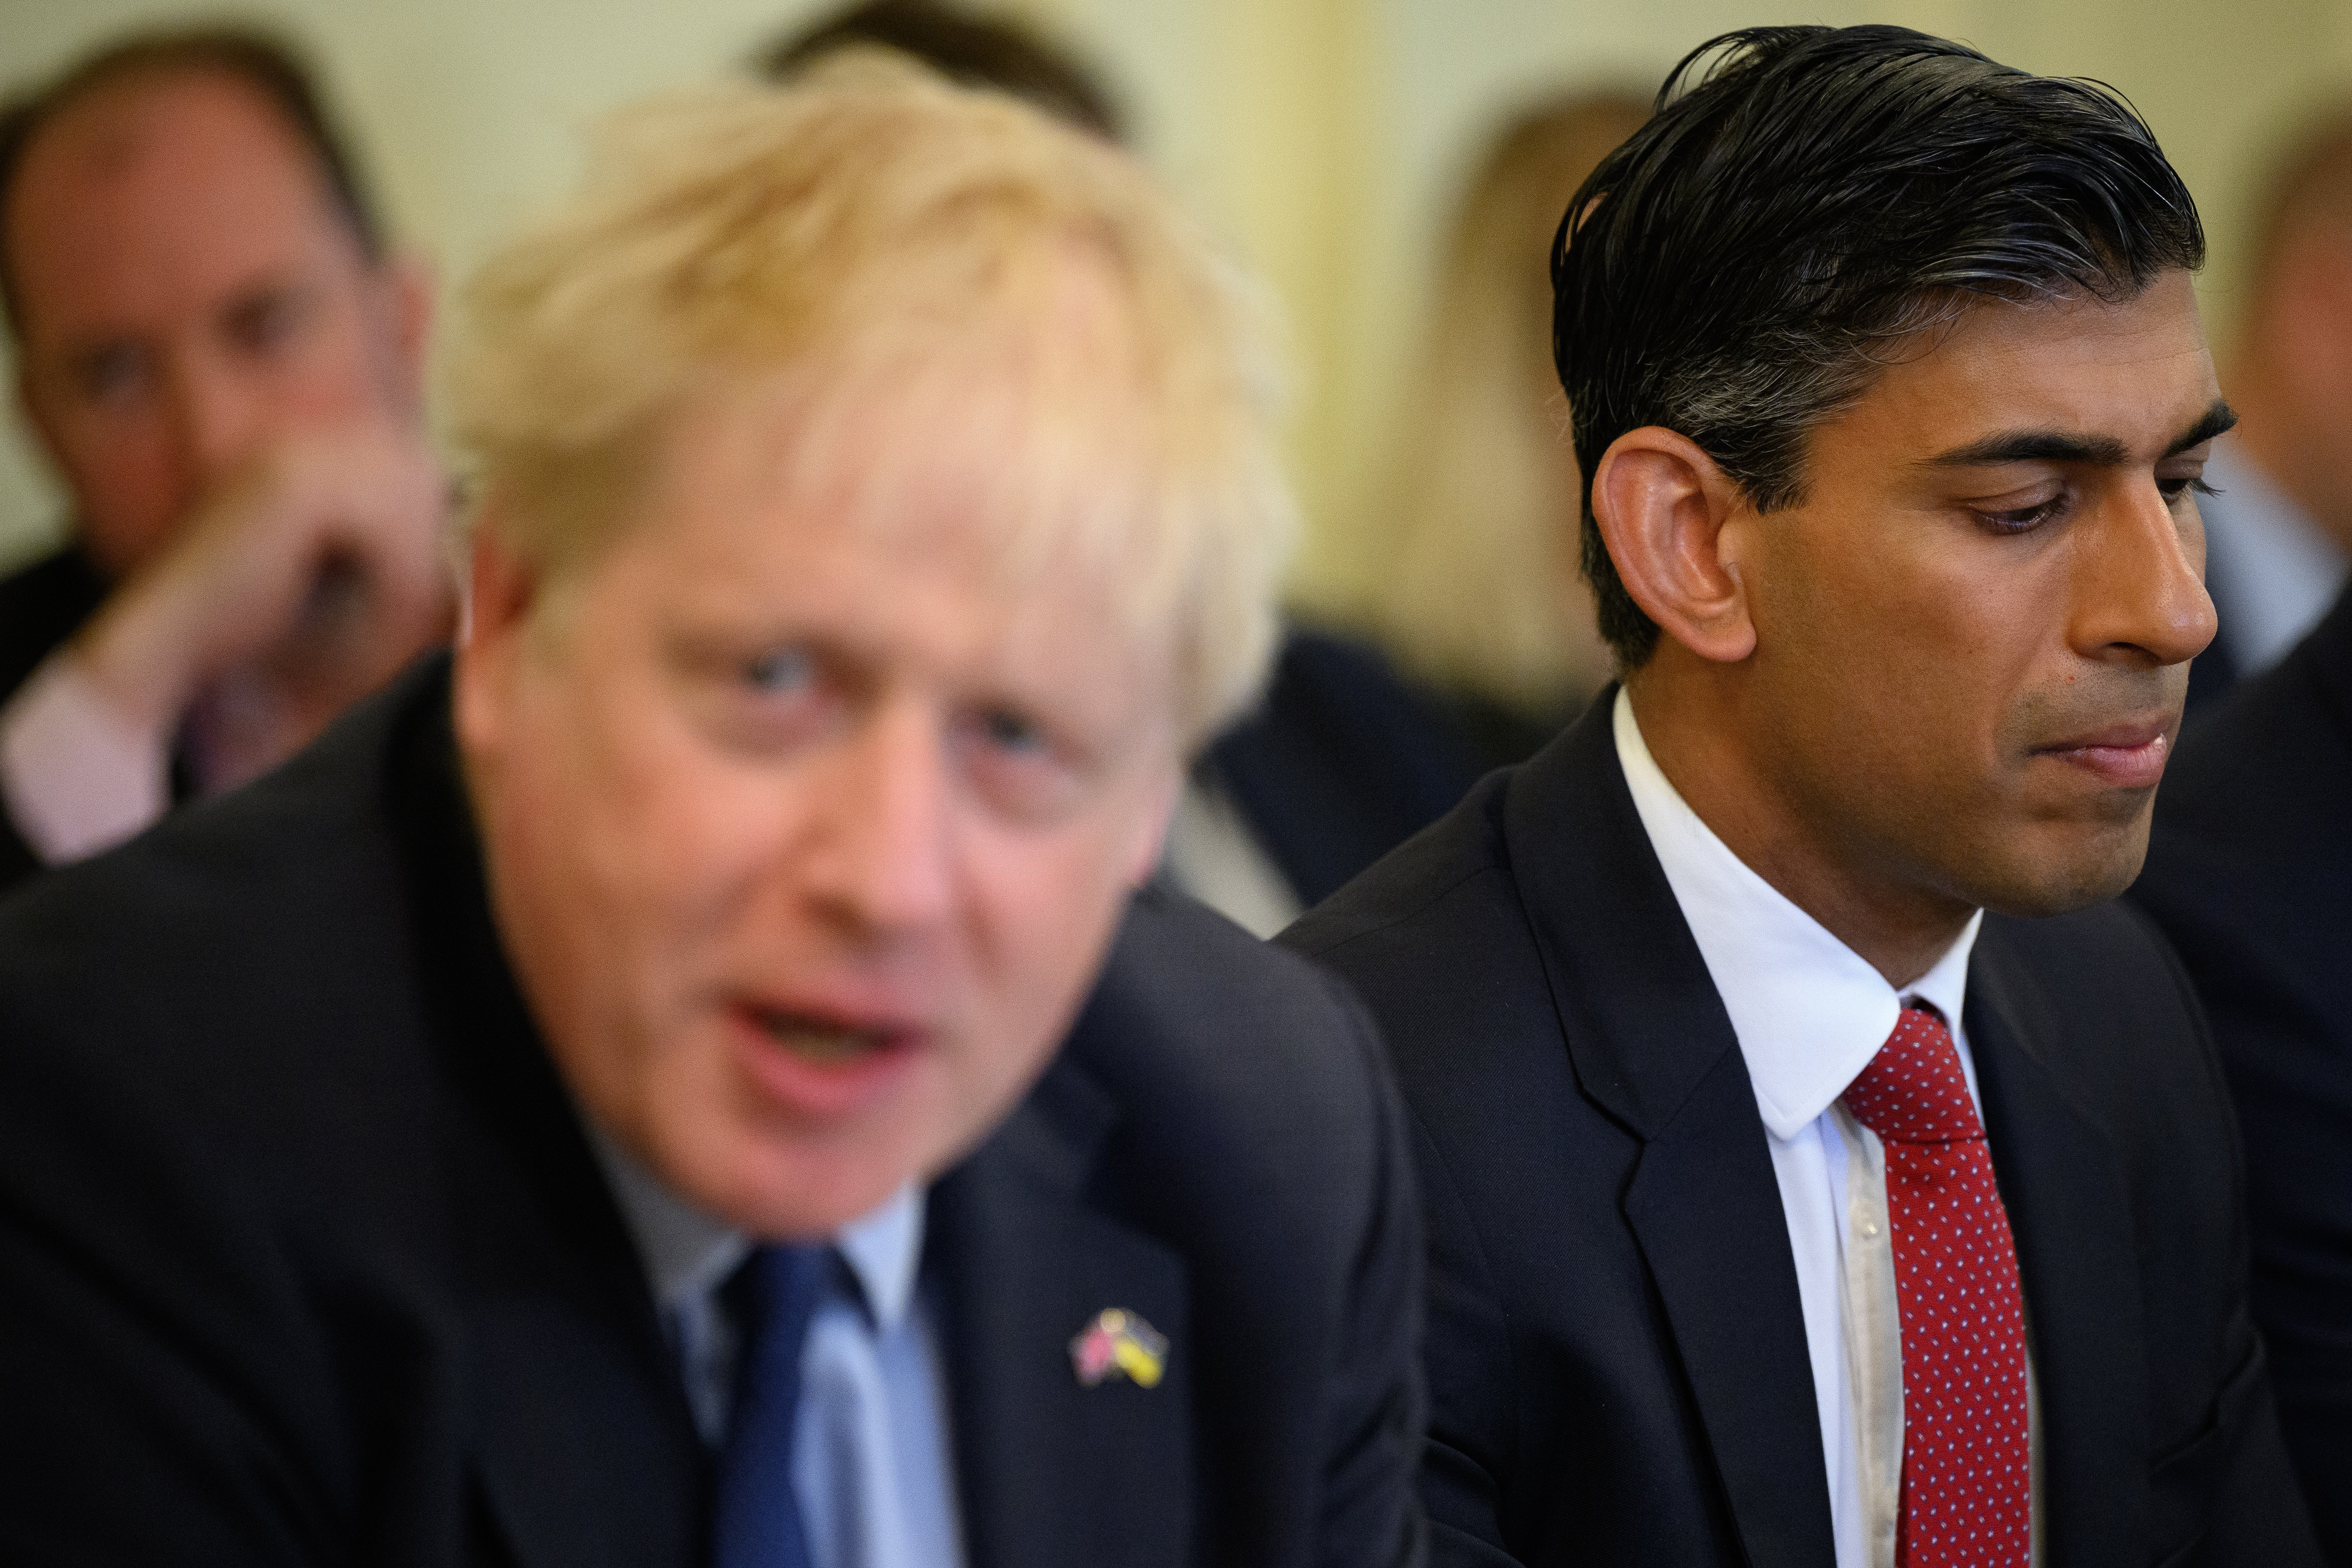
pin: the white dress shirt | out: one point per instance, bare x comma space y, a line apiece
1809, 1013
76, 778
873, 1466
1215, 858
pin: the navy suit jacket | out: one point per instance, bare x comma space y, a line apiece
1617, 1357
304, 1257
2250, 876
1341, 761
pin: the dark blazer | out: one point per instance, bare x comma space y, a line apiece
1616, 1355
2250, 876
40, 607
304, 1258
1341, 761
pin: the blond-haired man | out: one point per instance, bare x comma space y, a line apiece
692, 1080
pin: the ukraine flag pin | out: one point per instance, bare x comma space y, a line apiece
1119, 1343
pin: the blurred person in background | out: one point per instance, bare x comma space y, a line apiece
688, 1080
2249, 874
1339, 760
224, 364
2249, 869
2278, 527
1481, 595
997, 53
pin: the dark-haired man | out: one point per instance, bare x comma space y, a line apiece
224, 366
1817, 1169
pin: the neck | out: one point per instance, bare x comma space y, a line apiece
1693, 723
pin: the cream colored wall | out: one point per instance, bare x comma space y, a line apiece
1321, 136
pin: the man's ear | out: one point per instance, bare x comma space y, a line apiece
405, 284
1663, 507
501, 591
1152, 829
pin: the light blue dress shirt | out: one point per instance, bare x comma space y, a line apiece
2273, 573
873, 1464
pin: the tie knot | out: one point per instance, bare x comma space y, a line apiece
1912, 1091
775, 1292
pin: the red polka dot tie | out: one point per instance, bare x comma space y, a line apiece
1966, 1460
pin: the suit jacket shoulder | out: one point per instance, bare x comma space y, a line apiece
1217, 1148
302, 1245
1341, 761
1617, 1357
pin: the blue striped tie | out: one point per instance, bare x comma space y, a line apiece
773, 1295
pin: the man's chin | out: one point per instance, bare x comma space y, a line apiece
2070, 879
816, 1205
778, 1186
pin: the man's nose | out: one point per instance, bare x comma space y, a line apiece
2139, 583
882, 859
214, 415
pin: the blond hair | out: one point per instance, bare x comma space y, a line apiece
1478, 592
897, 243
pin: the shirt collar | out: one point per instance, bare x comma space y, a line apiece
687, 1254
1809, 1011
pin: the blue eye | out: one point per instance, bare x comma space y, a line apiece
1011, 732
780, 671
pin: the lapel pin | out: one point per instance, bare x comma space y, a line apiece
1119, 1343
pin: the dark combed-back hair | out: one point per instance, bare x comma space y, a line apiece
972, 51
1741, 268
262, 62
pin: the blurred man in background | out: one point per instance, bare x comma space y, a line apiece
2249, 874
2249, 871
2278, 527
689, 1081
996, 53
223, 365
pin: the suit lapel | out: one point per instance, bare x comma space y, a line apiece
579, 1428
2070, 1211
1653, 1045
1053, 1471
587, 1457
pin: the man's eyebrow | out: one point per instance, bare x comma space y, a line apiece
2218, 420
2065, 447
2033, 446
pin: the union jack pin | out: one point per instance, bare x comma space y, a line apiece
1119, 1343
